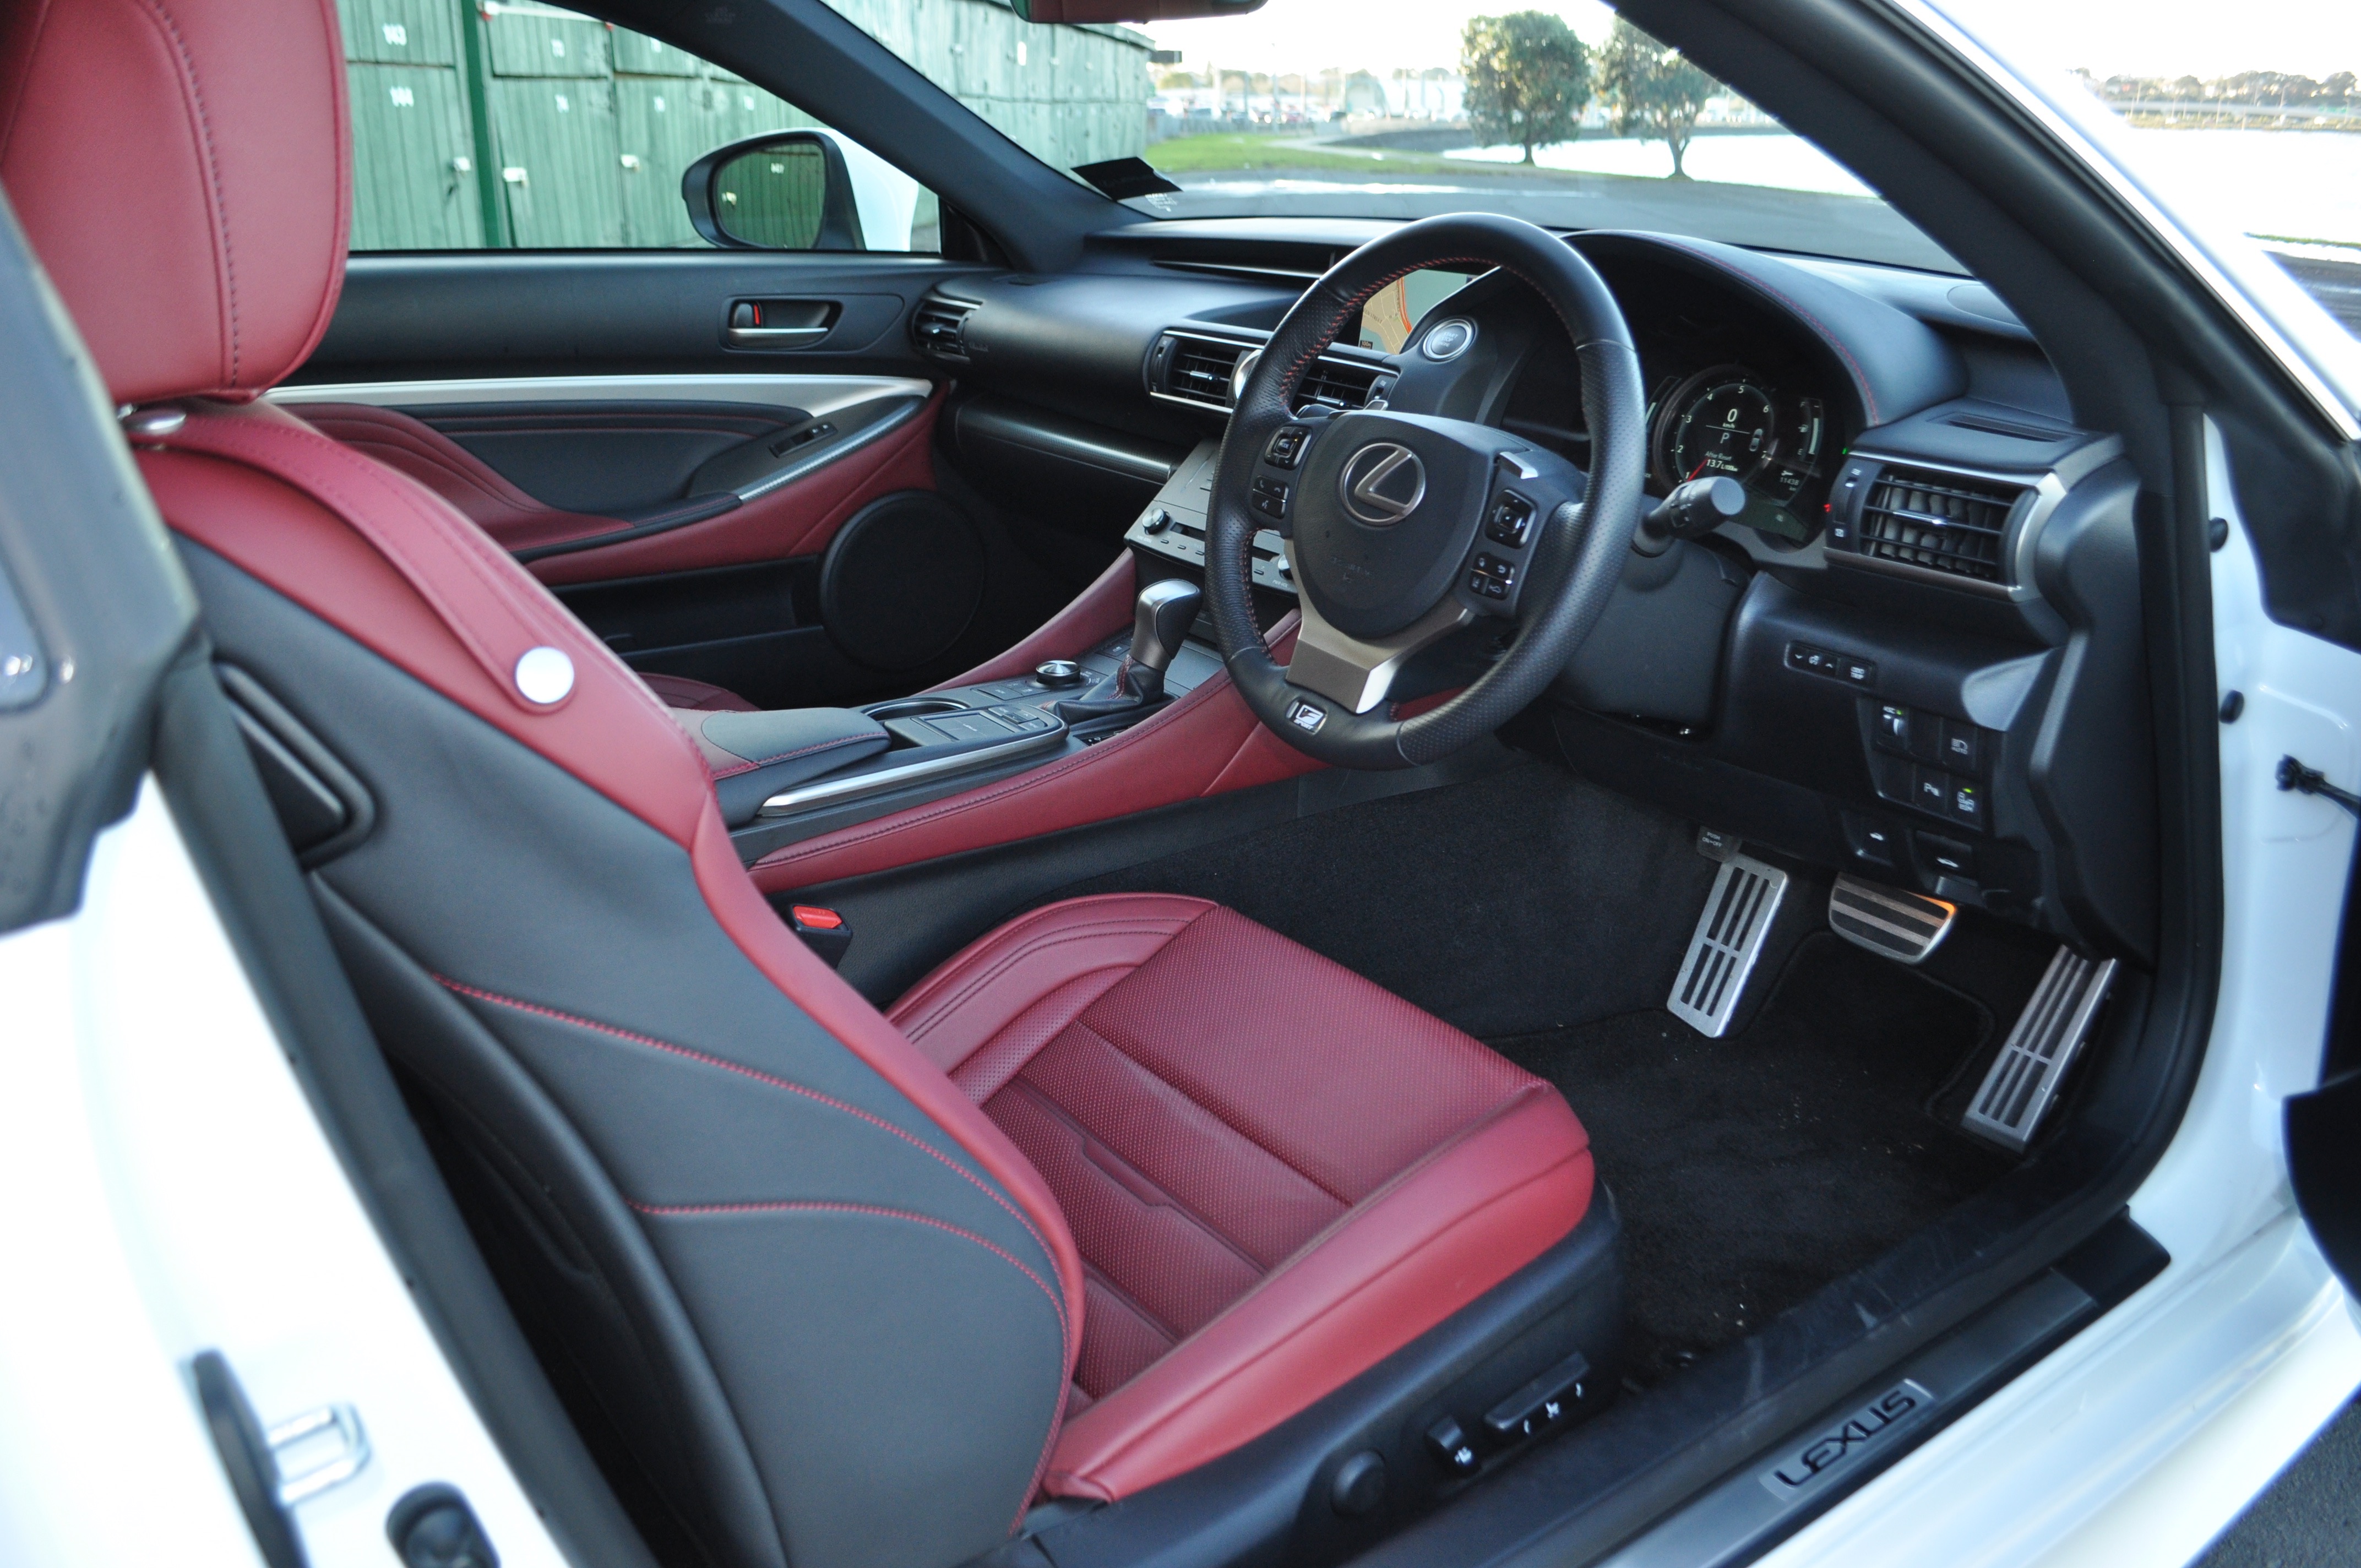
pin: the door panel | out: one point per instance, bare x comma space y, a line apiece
610, 459
580, 405
513, 313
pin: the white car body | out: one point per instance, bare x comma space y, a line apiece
173, 1191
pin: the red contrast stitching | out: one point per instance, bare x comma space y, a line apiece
682, 1211
1860, 377
936, 1011
212, 175
788, 756
1154, 725
760, 1076
676, 1211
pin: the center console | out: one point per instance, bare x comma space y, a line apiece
942, 742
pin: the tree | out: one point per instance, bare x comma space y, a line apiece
1657, 93
1528, 78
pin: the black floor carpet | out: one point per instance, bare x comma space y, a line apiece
1528, 900
1755, 1168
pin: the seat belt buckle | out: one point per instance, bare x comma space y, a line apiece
824, 931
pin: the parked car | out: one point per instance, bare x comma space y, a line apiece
1023, 864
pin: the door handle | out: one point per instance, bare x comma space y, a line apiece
772, 336
778, 323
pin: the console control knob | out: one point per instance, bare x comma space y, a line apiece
1058, 673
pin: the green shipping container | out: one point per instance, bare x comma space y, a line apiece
561, 161
401, 32
415, 185
636, 54
666, 124
542, 40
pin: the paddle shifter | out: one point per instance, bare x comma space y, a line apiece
1166, 612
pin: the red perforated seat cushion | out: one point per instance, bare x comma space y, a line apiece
1275, 1172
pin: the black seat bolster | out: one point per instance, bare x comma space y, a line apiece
828, 1335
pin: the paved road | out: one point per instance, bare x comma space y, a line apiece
2310, 1517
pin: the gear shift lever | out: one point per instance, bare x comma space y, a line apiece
1159, 625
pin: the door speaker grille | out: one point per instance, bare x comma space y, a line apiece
1729, 938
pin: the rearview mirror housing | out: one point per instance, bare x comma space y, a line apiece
781, 190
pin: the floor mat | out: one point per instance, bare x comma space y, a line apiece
1753, 1169
1525, 901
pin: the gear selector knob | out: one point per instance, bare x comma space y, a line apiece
1165, 613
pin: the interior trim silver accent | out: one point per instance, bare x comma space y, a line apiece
1346, 669
2023, 1078
823, 453
772, 336
1735, 1520
1730, 930
2048, 488
853, 787
1247, 345
816, 395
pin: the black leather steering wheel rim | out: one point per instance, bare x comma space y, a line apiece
1583, 546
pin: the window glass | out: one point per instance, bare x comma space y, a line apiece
1562, 114
524, 126
2248, 115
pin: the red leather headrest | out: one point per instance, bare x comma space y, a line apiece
183, 170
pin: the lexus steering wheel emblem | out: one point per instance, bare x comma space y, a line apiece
1383, 483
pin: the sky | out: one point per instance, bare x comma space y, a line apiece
2137, 37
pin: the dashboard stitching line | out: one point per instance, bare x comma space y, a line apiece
1860, 377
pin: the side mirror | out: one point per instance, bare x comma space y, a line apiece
786, 191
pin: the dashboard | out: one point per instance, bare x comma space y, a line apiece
1915, 657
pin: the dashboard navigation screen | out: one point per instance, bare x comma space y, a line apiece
1388, 319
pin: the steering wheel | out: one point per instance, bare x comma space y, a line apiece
1403, 528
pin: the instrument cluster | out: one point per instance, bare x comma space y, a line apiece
1729, 421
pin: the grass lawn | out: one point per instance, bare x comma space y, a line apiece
1197, 155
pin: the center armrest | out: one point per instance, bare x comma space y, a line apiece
755, 755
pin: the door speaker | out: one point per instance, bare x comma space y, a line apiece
902, 580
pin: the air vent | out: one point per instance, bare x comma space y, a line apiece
940, 326
1185, 368
1338, 385
1942, 522
1200, 371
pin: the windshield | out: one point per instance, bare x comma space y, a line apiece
1565, 116
1569, 116
2249, 117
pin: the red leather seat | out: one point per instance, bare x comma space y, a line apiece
1275, 1172
837, 1313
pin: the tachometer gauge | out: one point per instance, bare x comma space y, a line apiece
1721, 423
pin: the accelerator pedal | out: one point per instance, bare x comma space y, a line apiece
1887, 921
2032, 1061
1729, 938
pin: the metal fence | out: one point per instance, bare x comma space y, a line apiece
478, 124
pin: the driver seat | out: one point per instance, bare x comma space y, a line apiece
1127, 1184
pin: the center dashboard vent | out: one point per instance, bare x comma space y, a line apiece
940, 327
1188, 368
1939, 522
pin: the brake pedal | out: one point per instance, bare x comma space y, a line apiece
1904, 927
2024, 1079
1729, 938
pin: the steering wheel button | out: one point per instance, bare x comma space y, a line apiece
1287, 447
